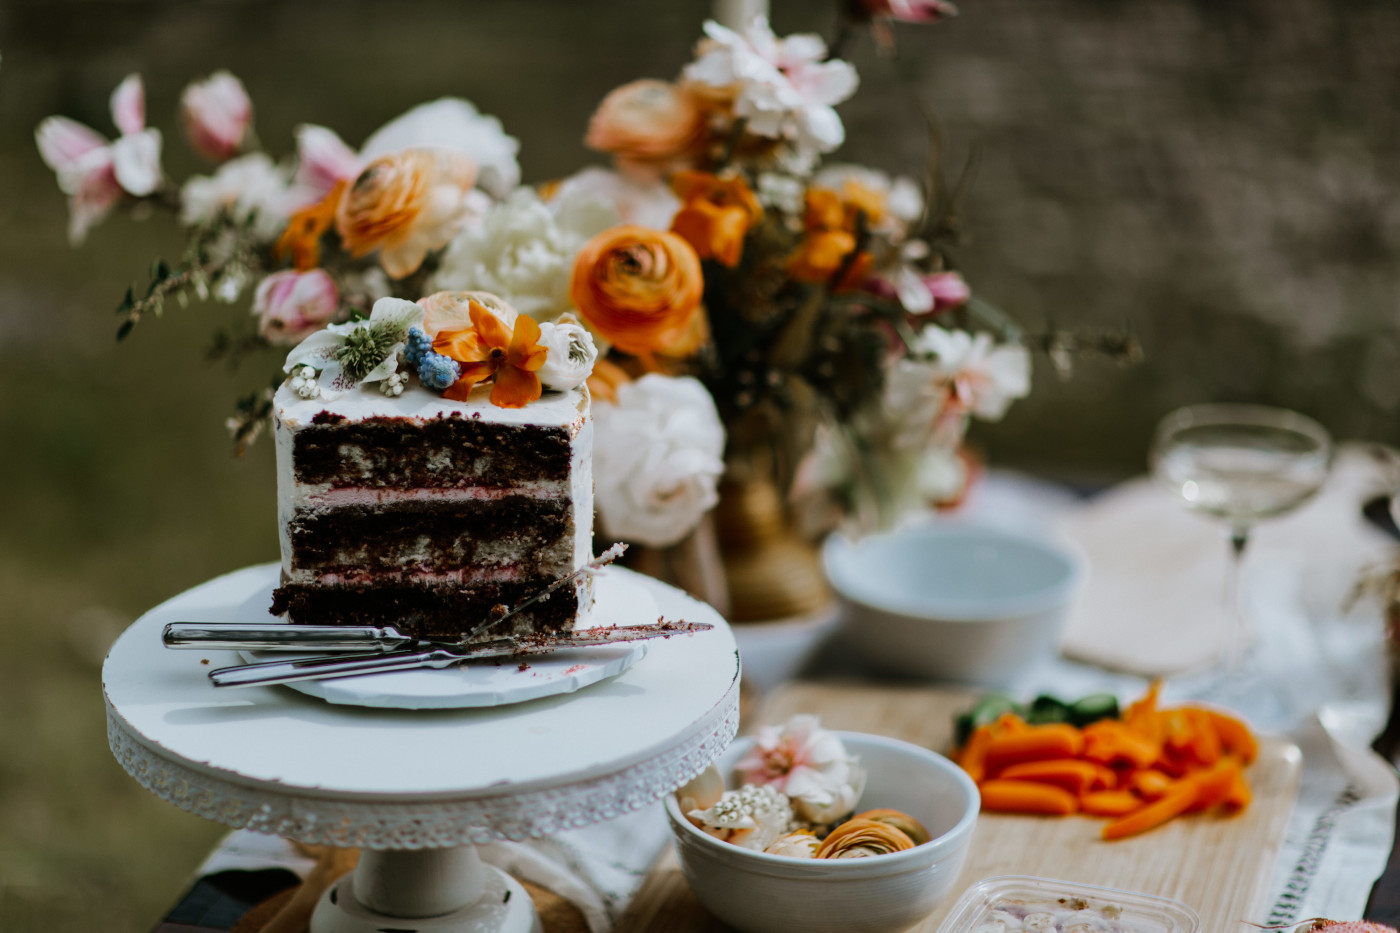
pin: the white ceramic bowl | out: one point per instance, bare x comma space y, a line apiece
954, 602
759, 893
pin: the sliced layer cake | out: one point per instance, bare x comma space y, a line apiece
425, 513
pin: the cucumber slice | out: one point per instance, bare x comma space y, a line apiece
1093, 708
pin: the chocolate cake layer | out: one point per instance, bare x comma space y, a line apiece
536, 535
450, 452
433, 611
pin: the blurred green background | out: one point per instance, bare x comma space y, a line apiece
1219, 177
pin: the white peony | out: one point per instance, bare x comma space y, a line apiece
646, 204
656, 459
570, 355
251, 188
783, 88
523, 250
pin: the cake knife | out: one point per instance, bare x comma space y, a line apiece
278, 636
440, 656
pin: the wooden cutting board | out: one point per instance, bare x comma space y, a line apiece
1219, 865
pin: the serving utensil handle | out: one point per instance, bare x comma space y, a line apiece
274, 637
284, 672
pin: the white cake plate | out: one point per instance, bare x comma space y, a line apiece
416, 788
620, 600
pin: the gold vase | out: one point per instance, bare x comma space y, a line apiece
770, 571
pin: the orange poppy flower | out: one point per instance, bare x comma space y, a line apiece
717, 213
488, 349
302, 239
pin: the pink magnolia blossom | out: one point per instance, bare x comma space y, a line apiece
217, 114
919, 293
911, 11
293, 305
94, 172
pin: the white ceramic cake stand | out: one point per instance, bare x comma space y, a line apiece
416, 789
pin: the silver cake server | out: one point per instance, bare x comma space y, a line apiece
275, 636
439, 656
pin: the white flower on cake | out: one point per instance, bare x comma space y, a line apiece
807, 763
571, 355
251, 189
753, 817
348, 355
782, 88
524, 249
656, 459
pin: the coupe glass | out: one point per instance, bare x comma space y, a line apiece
1240, 464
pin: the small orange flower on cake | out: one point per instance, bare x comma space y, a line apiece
639, 289
649, 126
489, 348
406, 204
717, 214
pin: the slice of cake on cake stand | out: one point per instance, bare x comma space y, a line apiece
433, 506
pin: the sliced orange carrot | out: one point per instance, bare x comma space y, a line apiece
1073, 774
1148, 816
1034, 743
1213, 784
1205, 745
1239, 794
1234, 735
972, 757
1113, 743
1109, 802
1006, 796
1150, 783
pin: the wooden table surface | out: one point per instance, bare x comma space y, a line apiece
1220, 865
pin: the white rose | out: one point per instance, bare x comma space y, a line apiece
523, 250
656, 459
571, 355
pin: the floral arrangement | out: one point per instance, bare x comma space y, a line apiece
798, 792
735, 303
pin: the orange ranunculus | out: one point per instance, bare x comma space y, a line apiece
406, 204
716, 214
825, 211
649, 126
487, 349
604, 380
301, 241
821, 255
452, 310
638, 288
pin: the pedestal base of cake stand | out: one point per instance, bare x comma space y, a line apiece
438, 890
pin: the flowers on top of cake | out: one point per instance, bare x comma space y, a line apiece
799, 788
453, 341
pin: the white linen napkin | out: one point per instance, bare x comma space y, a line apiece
1155, 601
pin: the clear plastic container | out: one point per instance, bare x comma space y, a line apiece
1071, 907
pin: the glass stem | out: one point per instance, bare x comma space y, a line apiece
1237, 640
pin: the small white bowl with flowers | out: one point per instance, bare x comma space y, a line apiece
821, 831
